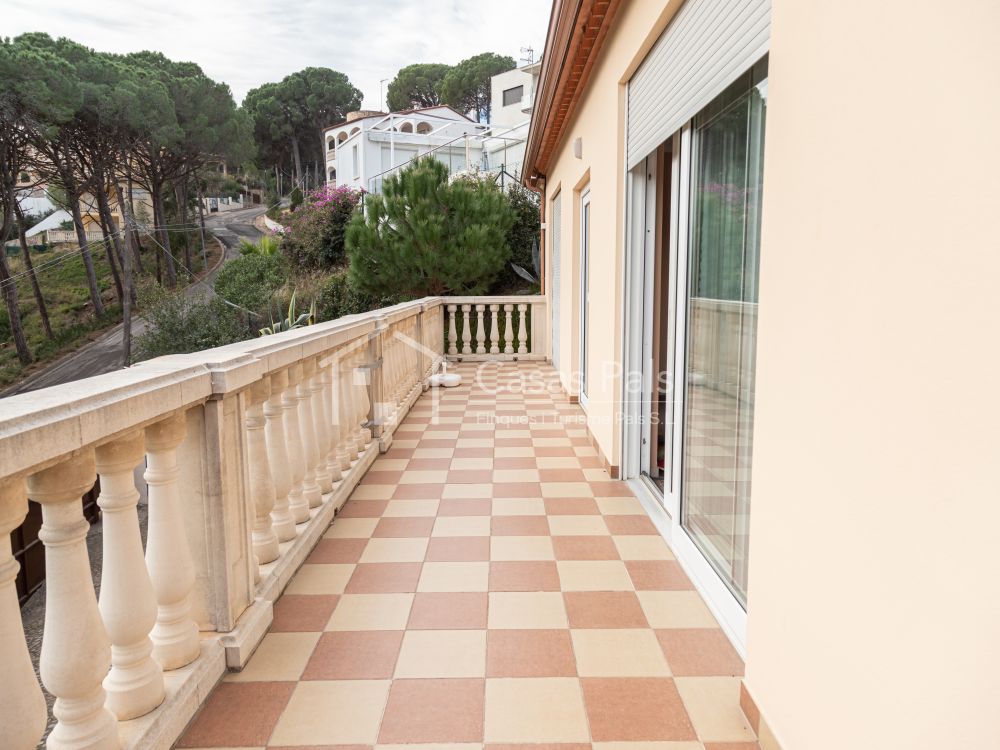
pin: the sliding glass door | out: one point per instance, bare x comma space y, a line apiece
723, 253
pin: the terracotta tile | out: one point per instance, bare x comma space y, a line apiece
384, 578
354, 655
630, 525
538, 709
514, 463
524, 576
519, 526
351, 528
583, 525
604, 609
362, 508
571, 506
334, 713
517, 489
404, 527
584, 548
473, 453
451, 507
438, 443
375, 476
448, 611
302, 613
657, 575
699, 652
458, 549
435, 711
371, 612
529, 653
635, 709
238, 714
470, 476
418, 492
511, 548
508, 442
614, 488
561, 475
337, 551
732, 746
548, 746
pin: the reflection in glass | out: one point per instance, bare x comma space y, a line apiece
728, 143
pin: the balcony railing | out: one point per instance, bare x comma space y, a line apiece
249, 451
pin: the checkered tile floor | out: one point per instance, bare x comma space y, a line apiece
487, 586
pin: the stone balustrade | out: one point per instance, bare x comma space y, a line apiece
249, 450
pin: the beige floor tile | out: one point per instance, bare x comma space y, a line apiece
566, 489
521, 548
432, 452
454, 576
552, 442
390, 464
442, 653
648, 746
618, 653
399, 443
468, 491
675, 609
535, 710
620, 506
514, 452
373, 492
371, 612
352, 528
515, 475
320, 579
461, 526
332, 713
380, 550
594, 575
410, 508
528, 610
558, 462
596, 475
424, 477
434, 746
643, 547
713, 703
471, 463
280, 656
591, 525
532, 506
474, 442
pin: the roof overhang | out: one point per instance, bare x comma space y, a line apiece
577, 32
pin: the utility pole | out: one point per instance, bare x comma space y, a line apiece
381, 101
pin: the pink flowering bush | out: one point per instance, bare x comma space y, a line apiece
314, 232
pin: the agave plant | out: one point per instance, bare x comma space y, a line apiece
291, 320
525, 274
267, 245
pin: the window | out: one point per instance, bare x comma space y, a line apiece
406, 127
720, 361
356, 163
25, 177
331, 144
332, 175
342, 136
423, 127
513, 96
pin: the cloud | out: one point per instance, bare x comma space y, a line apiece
249, 42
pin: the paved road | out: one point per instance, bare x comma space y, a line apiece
105, 353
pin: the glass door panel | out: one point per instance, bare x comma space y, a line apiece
720, 353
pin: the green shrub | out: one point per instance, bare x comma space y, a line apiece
252, 281
314, 233
177, 324
338, 298
425, 235
295, 199
522, 237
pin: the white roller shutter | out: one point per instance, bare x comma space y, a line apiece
705, 47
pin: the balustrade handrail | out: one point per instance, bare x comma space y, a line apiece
249, 450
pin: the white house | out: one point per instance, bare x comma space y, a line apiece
367, 146
512, 95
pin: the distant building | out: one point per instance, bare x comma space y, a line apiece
512, 96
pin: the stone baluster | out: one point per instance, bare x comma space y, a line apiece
508, 330
389, 367
310, 448
76, 652
321, 426
263, 537
22, 706
452, 333
494, 329
327, 393
480, 330
466, 330
134, 686
362, 399
522, 329
277, 453
350, 405
341, 410
297, 502
168, 556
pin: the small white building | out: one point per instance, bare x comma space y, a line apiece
512, 95
368, 146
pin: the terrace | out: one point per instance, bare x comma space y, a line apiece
337, 556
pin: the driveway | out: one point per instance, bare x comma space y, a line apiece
104, 354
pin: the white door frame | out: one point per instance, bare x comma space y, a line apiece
584, 290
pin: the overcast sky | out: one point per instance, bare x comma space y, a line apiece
249, 42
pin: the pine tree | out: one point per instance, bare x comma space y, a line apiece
426, 236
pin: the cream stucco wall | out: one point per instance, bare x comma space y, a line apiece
874, 581
600, 124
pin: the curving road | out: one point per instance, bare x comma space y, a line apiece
104, 354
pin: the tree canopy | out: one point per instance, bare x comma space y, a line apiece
416, 86
466, 86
